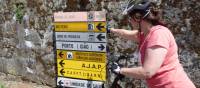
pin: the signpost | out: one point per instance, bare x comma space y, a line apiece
75, 83
80, 26
81, 65
81, 36
81, 74
81, 56
80, 16
81, 46
80, 39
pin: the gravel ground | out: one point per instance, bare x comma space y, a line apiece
10, 81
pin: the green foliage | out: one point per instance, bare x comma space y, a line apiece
19, 12
19, 15
1, 86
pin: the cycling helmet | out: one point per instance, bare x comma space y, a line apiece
141, 7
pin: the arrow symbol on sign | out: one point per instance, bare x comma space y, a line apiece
61, 63
100, 37
99, 27
60, 83
62, 71
101, 46
61, 54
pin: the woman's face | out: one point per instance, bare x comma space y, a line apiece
134, 21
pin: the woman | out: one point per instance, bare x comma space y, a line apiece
157, 47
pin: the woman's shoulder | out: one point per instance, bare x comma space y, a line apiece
157, 27
160, 29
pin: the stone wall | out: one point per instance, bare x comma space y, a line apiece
26, 36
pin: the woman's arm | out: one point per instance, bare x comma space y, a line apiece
154, 58
126, 34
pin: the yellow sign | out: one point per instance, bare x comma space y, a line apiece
80, 27
83, 74
81, 65
81, 56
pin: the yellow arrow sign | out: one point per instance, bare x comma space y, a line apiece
81, 56
81, 65
80, 27
82, 74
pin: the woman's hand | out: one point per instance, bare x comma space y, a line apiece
115, 31
126, 34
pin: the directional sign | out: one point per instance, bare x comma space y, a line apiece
81, 56
81, 74
81, 36
79, 16
75, 83
80, 27
81, 65
81, 46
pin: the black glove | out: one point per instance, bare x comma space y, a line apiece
115, 68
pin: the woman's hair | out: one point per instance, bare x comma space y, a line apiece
155, 16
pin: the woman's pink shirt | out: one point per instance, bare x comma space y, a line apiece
171, 73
